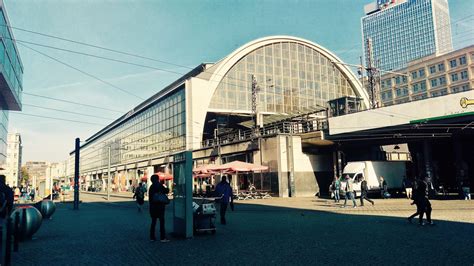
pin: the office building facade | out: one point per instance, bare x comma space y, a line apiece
431, 76
12, 167
401, 31
11, 79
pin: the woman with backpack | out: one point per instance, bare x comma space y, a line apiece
139, 196
157, 207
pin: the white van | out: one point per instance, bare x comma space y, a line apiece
393, 173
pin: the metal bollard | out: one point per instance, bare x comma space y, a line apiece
16, 236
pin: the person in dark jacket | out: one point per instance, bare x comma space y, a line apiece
7, 204
139, 196
157, 209
224, 190
423, 205
364, 189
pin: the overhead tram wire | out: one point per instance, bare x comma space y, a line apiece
56, 118
71, 102
83, 72
64, 111
145, 57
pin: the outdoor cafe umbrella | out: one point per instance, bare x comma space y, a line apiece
239, 166
164, 176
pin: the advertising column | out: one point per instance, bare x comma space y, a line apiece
182, 194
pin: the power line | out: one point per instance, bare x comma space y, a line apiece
64, 111
96, 46
83, 72
71, 102
92, 55
55, 118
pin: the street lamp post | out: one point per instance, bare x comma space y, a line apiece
108, 176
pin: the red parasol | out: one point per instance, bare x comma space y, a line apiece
164, 176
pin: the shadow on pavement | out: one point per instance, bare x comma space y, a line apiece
116, 233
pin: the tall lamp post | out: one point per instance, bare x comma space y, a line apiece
108, 175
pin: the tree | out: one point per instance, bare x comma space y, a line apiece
25, 176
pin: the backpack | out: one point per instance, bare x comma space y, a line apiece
140, 193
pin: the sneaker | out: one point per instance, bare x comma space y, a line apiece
431, 223
354, 207
164, 240
152, 239
343, 206
422, 223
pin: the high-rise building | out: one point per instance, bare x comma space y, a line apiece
11, 78
401, 31
12, 167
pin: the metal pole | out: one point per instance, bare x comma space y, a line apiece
76, 175
50, 184
108, 177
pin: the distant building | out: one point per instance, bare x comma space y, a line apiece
430, 76
11, 79
13, 163
404, 30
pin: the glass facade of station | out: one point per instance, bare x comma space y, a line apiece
155, 131
291, 76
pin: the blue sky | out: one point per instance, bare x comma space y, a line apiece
182, 32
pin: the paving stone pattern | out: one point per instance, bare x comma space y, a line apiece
302, 231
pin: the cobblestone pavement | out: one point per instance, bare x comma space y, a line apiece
307, 231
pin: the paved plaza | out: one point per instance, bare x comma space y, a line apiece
309, 231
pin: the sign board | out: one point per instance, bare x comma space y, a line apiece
183, 194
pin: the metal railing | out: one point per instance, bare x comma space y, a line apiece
283, 127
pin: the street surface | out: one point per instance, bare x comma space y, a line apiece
305, 231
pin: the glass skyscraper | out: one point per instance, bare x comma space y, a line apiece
404, 30
11, 79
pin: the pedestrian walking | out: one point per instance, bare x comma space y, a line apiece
466, 189
383, 188
157, 208
423, 205
139, 196
408, 186
16, 193
364, 190
32, 194
224, 191
336, 186
348, 190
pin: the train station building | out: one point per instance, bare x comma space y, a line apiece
285, 103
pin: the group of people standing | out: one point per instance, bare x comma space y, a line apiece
157, 208
346, 185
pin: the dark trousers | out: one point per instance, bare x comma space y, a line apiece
222, 212
426, 208
160, 216
418, 212
364, 196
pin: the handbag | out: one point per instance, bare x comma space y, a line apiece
160, 198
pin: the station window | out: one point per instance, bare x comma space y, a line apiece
464, 75
462, 60
454, 77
